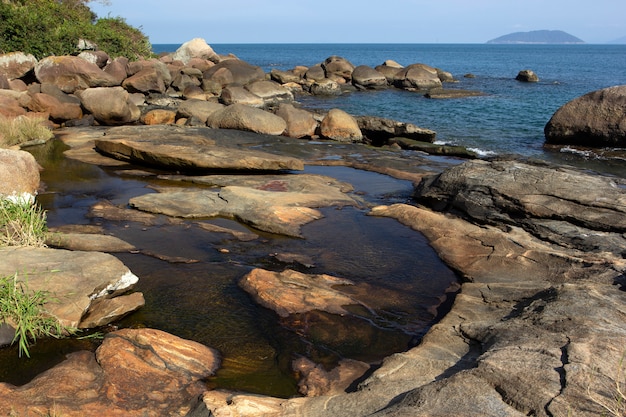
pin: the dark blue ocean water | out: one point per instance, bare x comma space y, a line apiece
509, 119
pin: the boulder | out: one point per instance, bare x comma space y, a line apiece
338, 67
596, 119
177, 148
118, 69
75, 278
90, 242
19, 175
389, 69
4, 82
527, 76
159, 117
152, 77
58, 111
417, 77
186, 77
100, 58
196, 48
325, 87
300, 123
379, 131
16, 64
340, 126
71, 73
270, 91
239, 95
200, 109
315, 73
110, 106
242, 117
366, 77
284, 77
241, 72
10, 106
134, 373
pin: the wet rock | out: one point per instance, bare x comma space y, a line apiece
340, 126
315, 381
447, 93
596, 119
104, 311
291, 292
242, 117
162, 146
106, 210
75, 278
271, 206
140, 373
378, 130
434, 149
19, 175
527, 76
88, 242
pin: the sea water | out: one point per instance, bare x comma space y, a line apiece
508, 119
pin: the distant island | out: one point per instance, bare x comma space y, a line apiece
538, 36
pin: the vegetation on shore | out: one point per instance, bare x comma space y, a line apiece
54, 27
23, 129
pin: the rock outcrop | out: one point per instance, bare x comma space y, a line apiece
596, 120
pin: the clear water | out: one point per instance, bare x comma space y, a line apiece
509, 119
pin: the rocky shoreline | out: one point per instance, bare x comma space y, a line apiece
536, 328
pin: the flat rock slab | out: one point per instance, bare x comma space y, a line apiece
175, 148
276, 205
135, 372
291, 292
73, 279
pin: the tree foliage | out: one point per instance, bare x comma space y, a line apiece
54, 27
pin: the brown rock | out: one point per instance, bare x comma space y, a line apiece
195, 49
339, 125
159, 117
118, 69
242, 117
58, 111
109, 310
110, 106
135, 373
239, 95
291, 292
19, 175
71, 73
300, 123
239, 72
596, 119
417, 77
10, 107
270, 91
336, 66
16, 64
200, 109
368, 78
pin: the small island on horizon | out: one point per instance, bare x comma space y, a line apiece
538, 37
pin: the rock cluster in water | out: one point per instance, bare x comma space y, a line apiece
536, 328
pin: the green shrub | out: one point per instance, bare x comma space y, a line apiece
22, 129
54, 27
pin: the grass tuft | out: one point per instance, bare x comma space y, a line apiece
24, 310
22, 129
22, 224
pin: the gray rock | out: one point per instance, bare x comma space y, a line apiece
527, 76
417, 77
242, 117
368, 78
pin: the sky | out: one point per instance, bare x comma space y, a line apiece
350, 21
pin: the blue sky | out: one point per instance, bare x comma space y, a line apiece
348, 21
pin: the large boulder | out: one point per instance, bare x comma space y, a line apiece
235, 71
366, 77
527, 76
134, 373
340, 126
16, 64
9, 105
270, 91
118, 69
150, 77
19, 175
58, 110
235, 94
242, 117
200, 109
300, 122
195, 48
71, 73
389, 69
325, 87
417, 77
379, 131
110, 106
338, 68
596, 119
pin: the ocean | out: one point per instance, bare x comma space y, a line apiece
508, 119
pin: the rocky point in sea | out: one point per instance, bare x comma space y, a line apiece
535, 328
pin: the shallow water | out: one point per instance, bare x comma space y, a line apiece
396, 274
